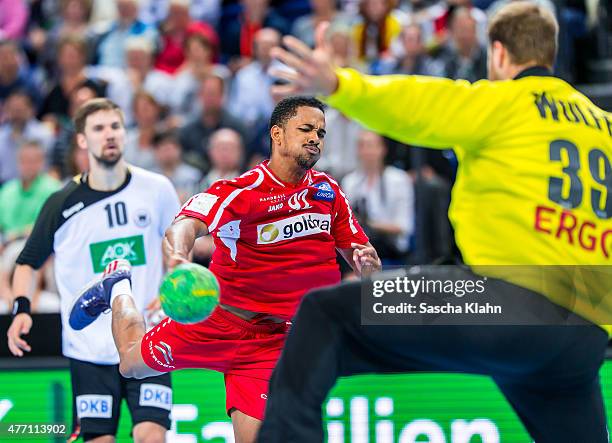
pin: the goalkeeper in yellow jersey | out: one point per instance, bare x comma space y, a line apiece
534, 188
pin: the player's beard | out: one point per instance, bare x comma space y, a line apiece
108, 161
306, 161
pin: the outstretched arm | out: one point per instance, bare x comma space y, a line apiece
180, 238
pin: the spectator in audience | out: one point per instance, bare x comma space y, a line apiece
344, 47
175, 29
141, 73
13, 74
237, 35
22, 197
20, 201
226, 153
139, 140
73, 20
110, 45
215, 115
379, 25
382, 198
414, 59
168, 161
65, 138
251, 99
72, 54
340, 154
20, 125
433, 239
13, 19
322, 11
463, 56
77, 162
200, 55
155, 11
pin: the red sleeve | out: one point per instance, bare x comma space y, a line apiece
213, 205
345, 228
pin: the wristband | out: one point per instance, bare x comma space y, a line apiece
21, 305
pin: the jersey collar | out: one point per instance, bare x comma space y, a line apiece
534, 71
306, 180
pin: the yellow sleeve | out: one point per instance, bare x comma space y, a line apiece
420, 110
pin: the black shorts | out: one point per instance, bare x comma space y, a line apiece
97, 391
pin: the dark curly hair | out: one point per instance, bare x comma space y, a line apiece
287, 108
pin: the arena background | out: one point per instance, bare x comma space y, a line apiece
415, 408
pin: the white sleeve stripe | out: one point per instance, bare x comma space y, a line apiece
271, 176
348, 206
231, 197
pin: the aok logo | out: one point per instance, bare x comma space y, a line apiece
128, 248
293, 227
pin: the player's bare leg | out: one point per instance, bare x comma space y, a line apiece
114, 291
149, 432
128, 327
245, 427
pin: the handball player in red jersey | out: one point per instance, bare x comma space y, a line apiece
276, 229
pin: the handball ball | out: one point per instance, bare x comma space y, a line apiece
189, 293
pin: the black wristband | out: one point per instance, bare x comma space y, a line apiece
21, 305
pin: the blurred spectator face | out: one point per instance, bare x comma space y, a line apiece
264, 40
375, 10
30, 161
463, 31
371, 149
146, 110
9, 61
18, 109
412, 40
79, 97
75, 11
70, 58
138, 59
127, 10
168, 153
341, 43
80, 160
255, 7
322, 6
225, 150
198, 50
178, 16
211, 94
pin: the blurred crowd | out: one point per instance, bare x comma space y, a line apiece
192, 77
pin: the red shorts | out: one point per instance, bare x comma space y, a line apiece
245, 351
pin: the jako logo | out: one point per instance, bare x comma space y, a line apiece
293, 227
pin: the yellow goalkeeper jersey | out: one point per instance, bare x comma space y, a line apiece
534, 184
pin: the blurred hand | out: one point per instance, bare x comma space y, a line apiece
366, 259
21, 324
312, 71
174, 260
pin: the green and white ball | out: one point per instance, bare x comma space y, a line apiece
189, 293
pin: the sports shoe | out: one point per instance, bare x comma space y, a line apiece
95, 298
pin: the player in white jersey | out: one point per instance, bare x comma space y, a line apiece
111, 212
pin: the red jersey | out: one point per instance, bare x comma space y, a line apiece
274, 240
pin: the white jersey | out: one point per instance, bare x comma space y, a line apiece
86, 229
